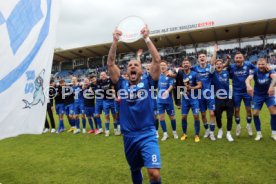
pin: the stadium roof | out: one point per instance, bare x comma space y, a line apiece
226, 32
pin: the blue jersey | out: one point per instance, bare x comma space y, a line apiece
163, 84
135, 106
155, 87
190, 78
239, 75
262, 82
221, 82
204, 75
78, 93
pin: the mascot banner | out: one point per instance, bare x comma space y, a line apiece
27, 40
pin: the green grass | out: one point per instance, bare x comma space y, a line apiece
67, 158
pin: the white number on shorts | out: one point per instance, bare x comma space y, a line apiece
154, 158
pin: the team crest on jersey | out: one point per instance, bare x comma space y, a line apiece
224, 75
245, 67
190, 77
207, 69
267, 75
140, 85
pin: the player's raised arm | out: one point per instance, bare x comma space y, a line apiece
156, 59
113, 69
214, 56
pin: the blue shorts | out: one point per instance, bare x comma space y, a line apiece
189, 103
108, 105
69, 109
99, 107
258, 101
169, 108
59, 109
89, 111
79, 108
206, 103
238, 97
142, 149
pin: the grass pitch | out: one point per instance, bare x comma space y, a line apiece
80, 159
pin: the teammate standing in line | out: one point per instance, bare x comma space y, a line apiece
263, 92
165, 101
78, 106
189, 98
206, 99
239, 72
223, 98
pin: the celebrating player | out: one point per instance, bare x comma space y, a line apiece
223, 98
89, 103
165, 101
263, 92
239, 72
206, 99
78, 106
191, 84
137, 120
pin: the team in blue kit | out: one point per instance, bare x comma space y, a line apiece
138, 99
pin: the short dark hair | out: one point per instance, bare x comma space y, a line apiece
186, 59
201, 52
92, 76
238, 52
61, 81
51, 81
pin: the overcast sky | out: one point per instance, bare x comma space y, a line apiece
90, 22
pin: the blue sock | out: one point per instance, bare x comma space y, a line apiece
156, 182
90, 123
257, 123
249, 119
95, 121
156, 124
115, 125
107, 126
83, 120
73, 121
237, 121
197, 127
163, 125
173, 123
77, 123
184, 126
206, 125
99, 122
137, 177
61, 124
70, 122
212, 127
273, 122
